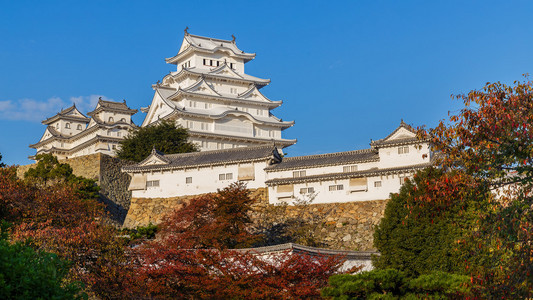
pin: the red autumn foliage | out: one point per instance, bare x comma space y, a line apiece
176, 265
164, 273
491, 138
58, 219
217, 220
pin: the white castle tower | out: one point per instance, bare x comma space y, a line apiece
212, 96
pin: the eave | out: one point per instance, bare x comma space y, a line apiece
347, 175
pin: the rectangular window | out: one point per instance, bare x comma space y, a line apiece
336, 187
402, 179
403, 149
226, 176
298, 174
231, 65
218, 63
205, 62
205, 126
347, 169
118, 133
308, 190
377, 183
188, 179
233, 90
152, 183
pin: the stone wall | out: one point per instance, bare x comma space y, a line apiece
144, 211
114, 187
348, 226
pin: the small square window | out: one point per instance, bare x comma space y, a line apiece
152, 183
377, 183
403, 149
336, 187
308, 190
298, 174
188, 179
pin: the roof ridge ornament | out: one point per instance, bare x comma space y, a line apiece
186, 30
233, 38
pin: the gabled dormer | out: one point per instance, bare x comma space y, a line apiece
402, 147
155, 158
401, 135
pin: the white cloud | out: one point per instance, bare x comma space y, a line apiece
5, 105
33, 110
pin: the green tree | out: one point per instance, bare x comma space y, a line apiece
394, 284
165, 137
29, 274
423, 224
2, 165
50, 171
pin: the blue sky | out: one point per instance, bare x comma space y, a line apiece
347, 71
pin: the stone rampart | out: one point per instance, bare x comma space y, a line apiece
348, 226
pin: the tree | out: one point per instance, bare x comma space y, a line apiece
220, 220
394, 284
57, 218
423, 223
49, 171
29, 274
491, 138
165, 137
2, 165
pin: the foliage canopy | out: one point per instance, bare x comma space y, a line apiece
29, 274
394, 284
491, 138
50, 171
423, 223
164, 136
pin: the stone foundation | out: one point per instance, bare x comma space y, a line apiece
348, 226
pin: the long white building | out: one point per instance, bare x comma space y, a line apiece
211, 95
360, 175
70, 133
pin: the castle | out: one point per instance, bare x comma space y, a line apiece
239, 137
229, 118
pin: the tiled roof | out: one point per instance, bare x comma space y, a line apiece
397, 142
113, 106
329, 159
208, 158
63, 114
213, 73
346, 175
210, 45
310, 251
221, 112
